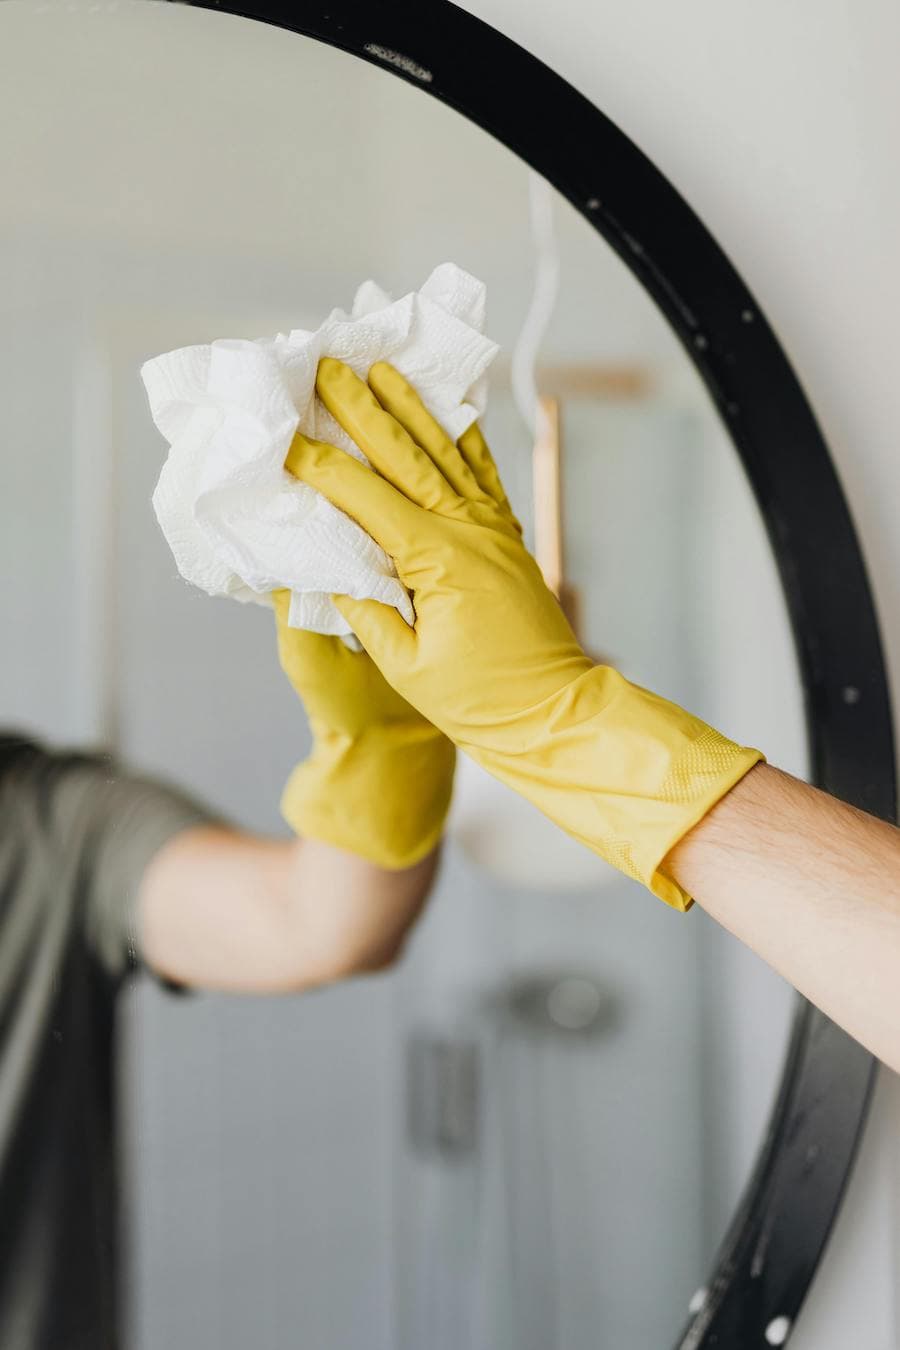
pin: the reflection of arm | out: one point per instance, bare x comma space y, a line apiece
227, 910
813, 886
139, 871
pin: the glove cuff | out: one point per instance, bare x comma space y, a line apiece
625, 772
383, 796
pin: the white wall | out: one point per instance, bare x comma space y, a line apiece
778, 123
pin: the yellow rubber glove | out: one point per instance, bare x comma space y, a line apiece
492, 660
379, 779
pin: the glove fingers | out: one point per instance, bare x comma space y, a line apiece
383, 512
386, 636
399, 398
386, 444
475, 451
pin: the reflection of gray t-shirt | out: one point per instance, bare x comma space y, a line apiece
75, 838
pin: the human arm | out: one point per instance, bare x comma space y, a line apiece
807, 882
223, 909
492, 660
812, 885
220, 909
139, 873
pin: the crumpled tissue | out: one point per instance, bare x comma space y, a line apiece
237, 522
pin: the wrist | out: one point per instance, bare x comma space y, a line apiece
383, 795
624, 771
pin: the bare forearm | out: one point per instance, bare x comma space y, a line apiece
813, 886
223, 910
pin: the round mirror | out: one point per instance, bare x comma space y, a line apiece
534, 1131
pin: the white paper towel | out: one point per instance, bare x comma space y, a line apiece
237, 522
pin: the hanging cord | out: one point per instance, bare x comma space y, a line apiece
543, 300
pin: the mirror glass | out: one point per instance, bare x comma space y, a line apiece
533, 1132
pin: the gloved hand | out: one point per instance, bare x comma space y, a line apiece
492, 660
379, 779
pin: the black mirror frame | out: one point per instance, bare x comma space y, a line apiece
771, 1251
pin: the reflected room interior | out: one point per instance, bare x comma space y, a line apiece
532, 1131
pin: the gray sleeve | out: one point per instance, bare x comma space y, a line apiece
127, 822
96, 828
